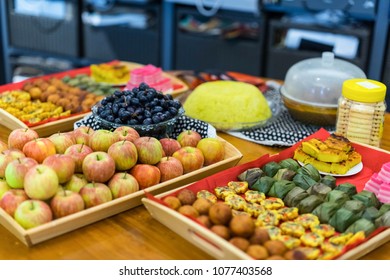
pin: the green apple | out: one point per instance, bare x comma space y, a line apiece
76, 182
41, 182
101, 140
3, 187
32, 213
213, 150
122, 184
149, 150
16, 170
124, 154
95, 194
189, 138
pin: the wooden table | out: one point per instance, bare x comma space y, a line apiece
134, 234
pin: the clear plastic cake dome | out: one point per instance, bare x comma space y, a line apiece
313, 86
318, 81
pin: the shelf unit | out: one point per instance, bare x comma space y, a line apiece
165, 35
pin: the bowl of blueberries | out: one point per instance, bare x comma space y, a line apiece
143, 108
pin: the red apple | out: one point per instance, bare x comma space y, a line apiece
95, 193
16, 170
7, 156
126, 133
124, 154
11, 199
189, 138
39, 149
170, 146
32, 213
63, 165
149, 150
76, 182
213, 150
66, 202
147, 175
3, 146
122, 184
81, 134
14, 153
78, 152
62, 140
41, 182
170, 168
101, 140
190, 157
20, 136
98, 167
3, 187
4, 160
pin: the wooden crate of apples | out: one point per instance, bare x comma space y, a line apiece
43, 179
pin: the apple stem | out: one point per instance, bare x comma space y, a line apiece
81, 147
124, 140
19, 160
32, 206
124, 175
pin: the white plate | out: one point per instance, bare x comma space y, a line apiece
354, 170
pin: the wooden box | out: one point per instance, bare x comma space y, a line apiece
205, 239
69, 223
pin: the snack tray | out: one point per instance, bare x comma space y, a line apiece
219, 248
46, 128
88, 216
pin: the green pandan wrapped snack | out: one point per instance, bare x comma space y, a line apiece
337, 196
384, 208
371, 213
329, 180
383, 220
290, 164
281, 188
355, 206
284, 174
348, 188
271, 168
342, 219
325, 211
310, 170
263, 184
308, 204
251, 175
368, 198
362, 225
295, 196
320, 190
303, 181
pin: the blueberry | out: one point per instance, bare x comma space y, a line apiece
110, 118
173, 111
147, 121
157, 109
115, 108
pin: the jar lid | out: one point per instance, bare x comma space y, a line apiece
364, 90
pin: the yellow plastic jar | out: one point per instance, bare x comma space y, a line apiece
361, 111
